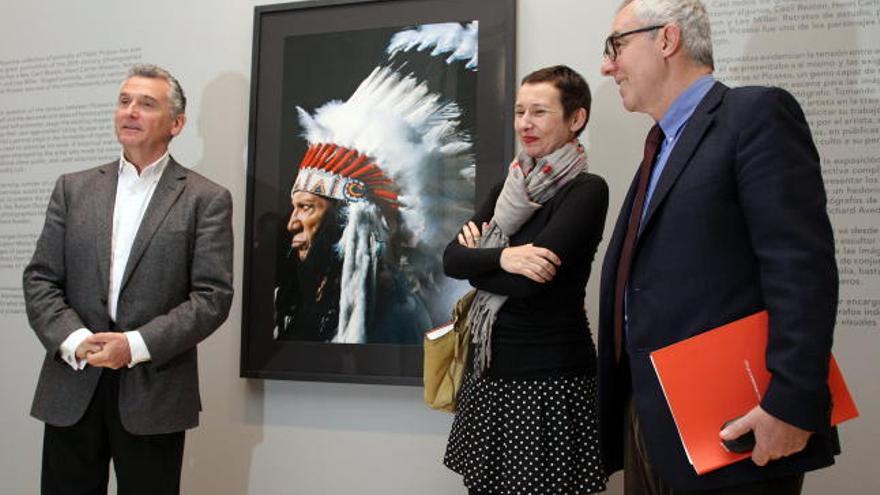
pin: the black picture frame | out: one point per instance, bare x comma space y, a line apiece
261, 355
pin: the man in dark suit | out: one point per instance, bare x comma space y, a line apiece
132, 270
726, 218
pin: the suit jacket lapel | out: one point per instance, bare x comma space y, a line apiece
615, 244
105, 200
690, 139
170, 185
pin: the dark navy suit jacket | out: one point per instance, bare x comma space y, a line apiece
737, 224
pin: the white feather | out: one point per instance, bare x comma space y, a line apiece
395, 120
414, 137
360, 244
461, 42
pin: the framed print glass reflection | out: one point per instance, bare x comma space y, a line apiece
375, 127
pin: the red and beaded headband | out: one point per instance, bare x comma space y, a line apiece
345, 174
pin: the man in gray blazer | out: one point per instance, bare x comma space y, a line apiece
132, 270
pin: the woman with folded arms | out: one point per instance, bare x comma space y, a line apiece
526, 419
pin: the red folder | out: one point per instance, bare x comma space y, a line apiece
719, 375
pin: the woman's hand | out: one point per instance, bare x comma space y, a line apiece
470, 235
536, 263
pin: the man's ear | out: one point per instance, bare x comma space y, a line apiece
179, 122
669, 39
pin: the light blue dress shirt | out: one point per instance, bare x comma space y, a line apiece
673, 123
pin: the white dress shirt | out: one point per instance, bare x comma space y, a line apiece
133, 194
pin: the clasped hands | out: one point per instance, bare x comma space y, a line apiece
535, 263
105, 350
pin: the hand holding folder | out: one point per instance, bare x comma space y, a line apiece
778, 438
719, 375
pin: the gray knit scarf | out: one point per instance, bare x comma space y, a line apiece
530, 183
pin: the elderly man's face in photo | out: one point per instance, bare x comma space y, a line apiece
305, 219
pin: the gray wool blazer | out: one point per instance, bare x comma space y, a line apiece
176, 290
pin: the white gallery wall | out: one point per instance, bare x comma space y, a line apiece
60, 66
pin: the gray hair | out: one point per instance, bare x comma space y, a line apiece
689, 15
175, 92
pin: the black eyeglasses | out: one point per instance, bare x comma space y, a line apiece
612, 43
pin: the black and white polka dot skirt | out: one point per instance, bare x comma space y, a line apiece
527, 436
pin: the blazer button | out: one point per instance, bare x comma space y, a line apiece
103, 300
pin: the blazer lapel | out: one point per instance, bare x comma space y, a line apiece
170, 185
615, 244
690, 139
104, 202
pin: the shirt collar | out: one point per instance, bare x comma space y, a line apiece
152, 170
683, 106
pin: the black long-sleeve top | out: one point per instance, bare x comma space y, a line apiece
542, 329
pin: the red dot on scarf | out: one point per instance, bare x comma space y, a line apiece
547, 169
515, 165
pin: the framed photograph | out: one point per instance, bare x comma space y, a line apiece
375, 129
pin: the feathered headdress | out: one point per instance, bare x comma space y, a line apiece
384, 152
